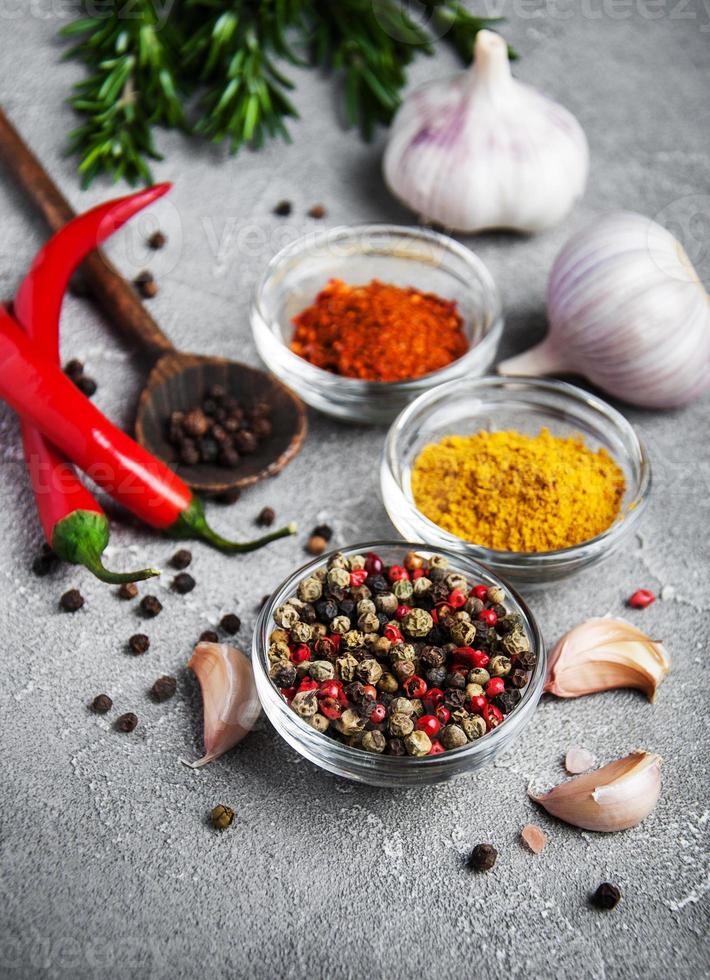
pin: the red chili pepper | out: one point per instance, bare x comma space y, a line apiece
640, 599
73, 521
39, 391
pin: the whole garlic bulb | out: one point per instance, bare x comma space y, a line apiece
482, 150
627, 311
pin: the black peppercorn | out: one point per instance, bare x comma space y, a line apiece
526, 660
138, 643
483, 857
283, 209
327, 610
378, 583
157, 240
45, 562
230, 623
436, 676
74, 368
432, 656
183, 583
209, 636
150, 606
129, 590
71, 600
181, 559
395, 746
229, 497
324, 531
455, 681
454, 699
101, 704
127, 722
436, 636
86, 385
283, 674
518, 678
164, 688
506, 701
346, 607
266, 517
146, 284
606, 896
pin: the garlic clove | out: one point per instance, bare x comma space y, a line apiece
230, 702
613, 291
534, 838
615, 797
578, 760
605, 653
482, 150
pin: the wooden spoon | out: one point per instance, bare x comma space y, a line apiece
177, 381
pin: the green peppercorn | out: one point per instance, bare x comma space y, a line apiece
401, 651
368, 671
310, 589
388, 683
353, 639
474, 726
339, 577
417, 744
438, 563
318, 630
473, 690
320, 670
305, 703
279, 651
368, 622
403, 590
473, 606
417, 622
338, 560
340, 625
319, 722
400, 724
349, 722
462, 633
345, 667
287, 616
499, 666
360, 593
301, 633
478, 676
403, 670
386, 602
421, 586
417, 707
456, 581
401, 705
453, 737
357, 562
221, 816
373, 742
495, 594
515, 642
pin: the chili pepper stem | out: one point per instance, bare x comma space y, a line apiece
81, 538
192, 523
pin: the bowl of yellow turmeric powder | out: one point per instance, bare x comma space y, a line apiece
536, 479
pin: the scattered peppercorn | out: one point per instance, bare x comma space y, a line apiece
221, 816
101, 704
283, 209
74, 368
322, 531
129, 590
164, 688
228, 497
71, 600
45, 562
157, 240
316, 545
209, 636
183, 583
640, 599
150, 606
181, 559
139, 643
317, 212
86, 385
267, 516
230, 623
127, 722
369, 648
606, 896
483, 857
146, 284
218, 431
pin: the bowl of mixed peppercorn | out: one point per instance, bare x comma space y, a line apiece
395, 665
360, 320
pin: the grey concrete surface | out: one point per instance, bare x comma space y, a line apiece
108, 865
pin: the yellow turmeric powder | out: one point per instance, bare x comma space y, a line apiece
514, 492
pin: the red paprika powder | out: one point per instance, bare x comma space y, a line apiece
379, 332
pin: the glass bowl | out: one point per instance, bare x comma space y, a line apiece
402, 256
525, 404
384, 770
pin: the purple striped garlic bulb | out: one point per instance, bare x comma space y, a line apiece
482, 150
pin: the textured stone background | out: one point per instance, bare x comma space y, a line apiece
108, 865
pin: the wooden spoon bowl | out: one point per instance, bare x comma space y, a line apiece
179, 382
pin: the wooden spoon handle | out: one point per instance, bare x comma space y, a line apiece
116, 297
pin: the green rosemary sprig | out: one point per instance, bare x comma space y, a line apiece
229, 53
132, 87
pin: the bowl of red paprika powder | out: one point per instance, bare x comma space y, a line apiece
361, 320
